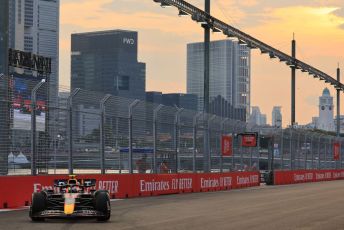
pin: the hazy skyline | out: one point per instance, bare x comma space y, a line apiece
318, 27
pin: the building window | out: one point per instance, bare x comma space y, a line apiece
122, 82
19, 11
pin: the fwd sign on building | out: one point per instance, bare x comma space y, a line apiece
129, 41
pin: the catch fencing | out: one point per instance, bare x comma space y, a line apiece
89, 132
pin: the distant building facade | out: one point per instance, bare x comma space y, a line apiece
276, 117
180, 100
154, 97
62, 116
221, 107
325, 121
341, 123
230, 65
107, 62
256, 117
34, 27
326, 108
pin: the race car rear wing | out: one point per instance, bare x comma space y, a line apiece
82, 183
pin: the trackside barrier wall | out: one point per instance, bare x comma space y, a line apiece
16, 191
306, 176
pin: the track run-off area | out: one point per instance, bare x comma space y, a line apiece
300, 206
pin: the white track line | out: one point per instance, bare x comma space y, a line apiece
14, 209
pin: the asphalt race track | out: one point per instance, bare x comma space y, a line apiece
302, 206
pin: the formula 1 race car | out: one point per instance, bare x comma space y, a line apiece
71, 198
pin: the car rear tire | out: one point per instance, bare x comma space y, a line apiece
102, 204
38, 205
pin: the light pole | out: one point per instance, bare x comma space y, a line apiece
206, 26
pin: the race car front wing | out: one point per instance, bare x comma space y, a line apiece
61, 214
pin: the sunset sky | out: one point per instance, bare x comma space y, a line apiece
318, 27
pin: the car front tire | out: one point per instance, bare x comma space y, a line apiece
38, 205
102, 204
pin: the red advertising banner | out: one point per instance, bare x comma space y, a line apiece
227, 145
336, 151
249, 139
18, 189
305, 176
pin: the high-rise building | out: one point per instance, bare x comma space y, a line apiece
256, 117
4, 109
34, 27
276, 117
106, 62
230, 65
325, 120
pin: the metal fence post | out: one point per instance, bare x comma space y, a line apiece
131, 107
155, 135
33, 128
194, 138
330, 153
306, 152
282, 149
235, 136
177, 136
298, 159
312, 152
319, 142
70, 129
258, 149
325, 154
102, 133
223, 133
209, 143
291, 149
341, 155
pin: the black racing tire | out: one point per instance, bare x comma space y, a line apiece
102, 204
38, 205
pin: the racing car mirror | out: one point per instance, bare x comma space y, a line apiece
60, 183
89, 183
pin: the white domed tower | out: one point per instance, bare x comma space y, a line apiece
325, 121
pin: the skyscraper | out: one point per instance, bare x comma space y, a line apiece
229, 74
106, 62
4, 110
276, 117
34, 27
